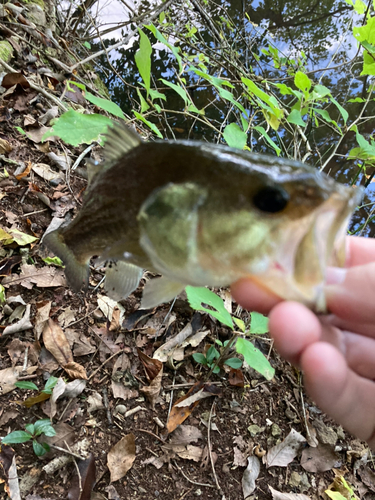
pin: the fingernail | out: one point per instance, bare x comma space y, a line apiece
335, 275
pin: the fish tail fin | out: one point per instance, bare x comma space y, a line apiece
77, 273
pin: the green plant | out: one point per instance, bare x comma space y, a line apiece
202, 299
49, 385
212, 357
40, 428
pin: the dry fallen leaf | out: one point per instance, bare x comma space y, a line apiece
44, 277
278, 495
75, 370
83, 480
8, 472
283, 453
154, 372
21, 325
250, 475
121, 457
42, 314
9, 376
56, 343
320, 459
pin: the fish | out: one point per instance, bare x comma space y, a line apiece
203, 214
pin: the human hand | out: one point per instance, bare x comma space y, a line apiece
336, 352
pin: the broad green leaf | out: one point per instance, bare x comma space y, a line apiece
20, 130
284, 89
200, 358
302, 81
155, 94
343, 112
25, 384
228, 96
22, 238
233, 363
270, 100
157, 107
75, 128
152, 126
368, 64
258, 324
44, 427
212, 354
50, 384
105, 104
53, 261
200, 297
324, 113
143, 59
177, 88
296, 118
366, 33
2, 294
234, 136
216, 370
370, 48
357, 99
262, 131
39, 449
320, 91
216, 82
193, 109
241, 324
87, 45
144, 105
255, 358
30, 429
16, 437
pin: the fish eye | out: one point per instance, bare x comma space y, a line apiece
271, 199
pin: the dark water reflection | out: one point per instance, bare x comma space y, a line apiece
319, 29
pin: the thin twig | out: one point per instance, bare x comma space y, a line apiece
190, 480
209, 447
104, 363
68, 452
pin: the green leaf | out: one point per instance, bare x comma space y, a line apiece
216, 370
324, 113
143, 59
366, 32
343, 112
87, 45
335, 495
44, 426
155, 94
39, 449
197, 296
368, 64
212, 354
105, 104
258, 324
152, 126
144, 104
302, 81
268, 139
162, 39
357, 99
270, 100
20, 130
53, 261
22, 238
177, 88
193, 109
239, 323
234, 136
320, 91
233, 363
200, 358
284, 89
75, 128
30, 429
296, 118
2, 295
50, 384
24, 384
16, 437
255, 358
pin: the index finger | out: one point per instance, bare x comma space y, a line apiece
359, 251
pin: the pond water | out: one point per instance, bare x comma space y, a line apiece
229, 40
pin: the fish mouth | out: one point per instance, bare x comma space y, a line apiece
310, 246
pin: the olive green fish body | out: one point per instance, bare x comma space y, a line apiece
203, 214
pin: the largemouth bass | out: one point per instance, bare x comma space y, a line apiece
203, 214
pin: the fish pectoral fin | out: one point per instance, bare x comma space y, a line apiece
121, 279
160, 290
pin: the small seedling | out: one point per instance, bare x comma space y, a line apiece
213, 355
202, 299
25, 384
41, 427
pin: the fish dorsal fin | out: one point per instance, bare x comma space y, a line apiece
120, 139
160, 290
121, 279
